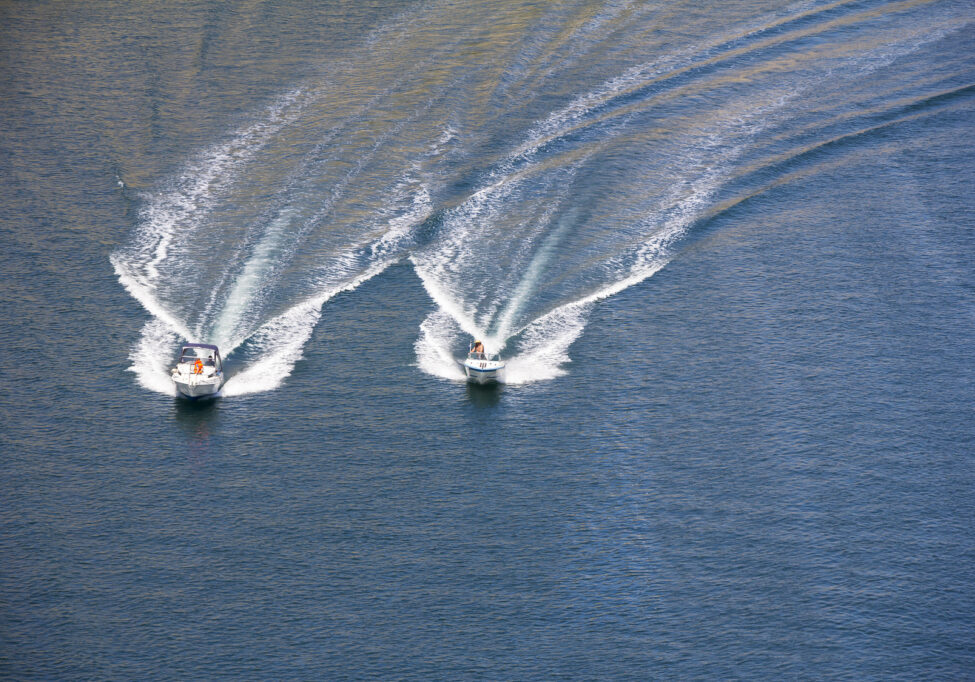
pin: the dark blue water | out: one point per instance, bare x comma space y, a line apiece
728, 251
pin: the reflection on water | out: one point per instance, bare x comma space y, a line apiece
487, 395
197, 419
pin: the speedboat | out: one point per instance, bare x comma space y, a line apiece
481, 367
199, 371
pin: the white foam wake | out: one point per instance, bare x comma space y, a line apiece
226, 332
537, 324
708, 158
438, 332
152, 354
184, 203
543, 343
159, 260
173, 214
279, 343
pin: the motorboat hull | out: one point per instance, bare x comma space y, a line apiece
483, 372
202, 388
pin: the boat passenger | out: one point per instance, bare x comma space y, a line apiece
198, 366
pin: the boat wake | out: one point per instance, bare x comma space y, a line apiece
543, 205
566, 246
240, 277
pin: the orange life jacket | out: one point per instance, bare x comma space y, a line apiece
198, 366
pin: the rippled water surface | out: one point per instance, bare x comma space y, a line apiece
726, 250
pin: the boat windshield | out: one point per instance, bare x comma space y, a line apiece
482, 356
192, 354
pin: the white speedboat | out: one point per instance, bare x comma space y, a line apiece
199, 371
481, 367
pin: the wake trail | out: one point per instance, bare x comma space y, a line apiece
594, 192
205, 275
512, 314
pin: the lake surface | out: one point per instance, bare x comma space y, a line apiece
726, 249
